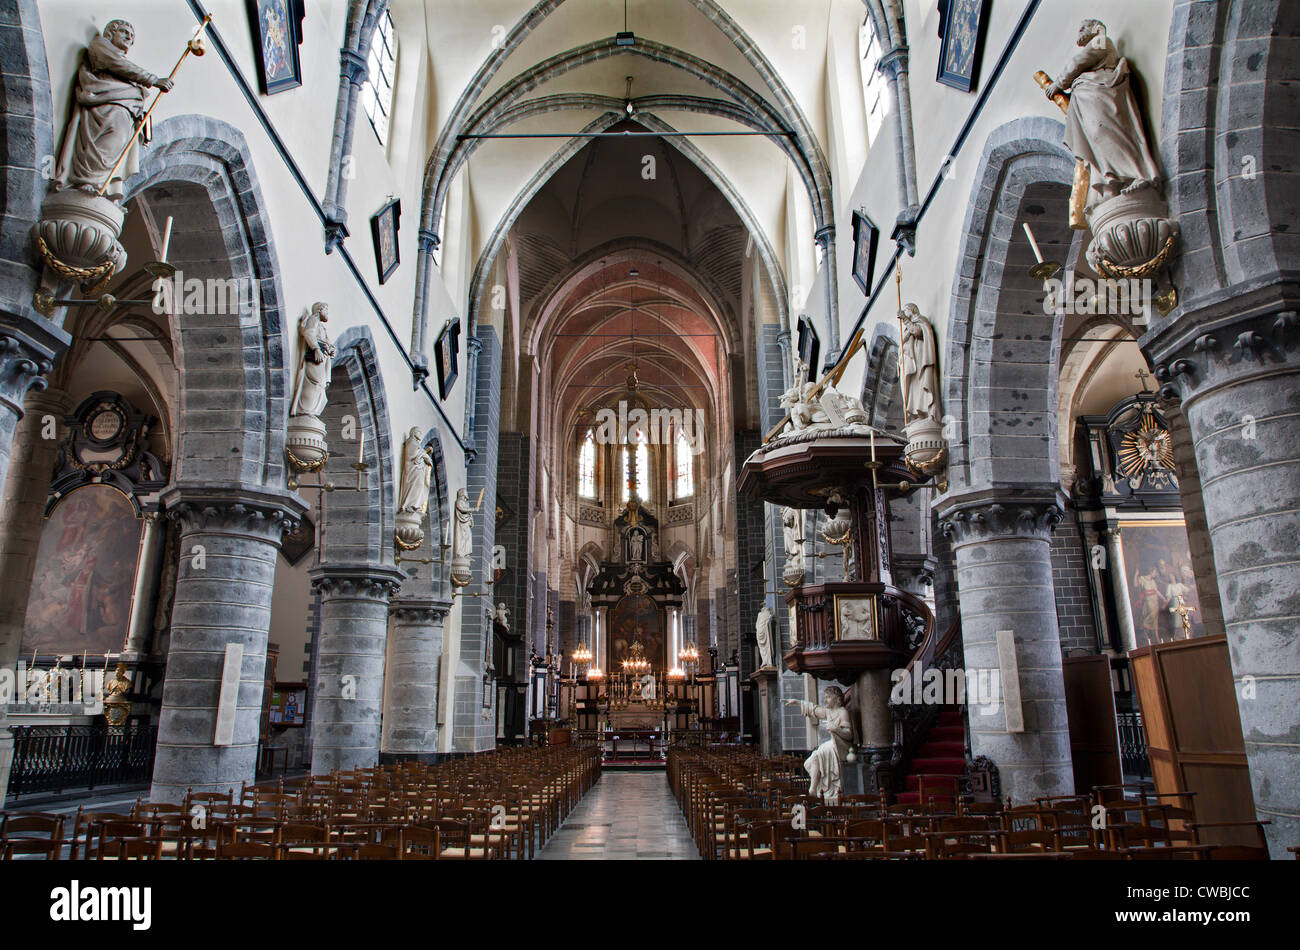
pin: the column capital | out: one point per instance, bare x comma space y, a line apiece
993, 514
265, 513
1194, 356
353, 66
25, 358
824, 235
369, 581
428, 240
894, 61
419, 609
475, 345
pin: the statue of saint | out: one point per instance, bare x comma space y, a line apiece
1103, 125
792, 530
417, 475
763, 632
318, 354
107, 103
635, 546
502, 616
823, 765
648, 687
920, 366
463, 538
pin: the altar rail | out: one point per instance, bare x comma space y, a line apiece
54, 758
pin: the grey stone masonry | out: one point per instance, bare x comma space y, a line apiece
1004, 578
473, 731
349, 688
229, 539
1236, 369
415, 630
1074, 618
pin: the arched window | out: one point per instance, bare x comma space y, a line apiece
875, 87
642, 467
377, 93
685, 471
587, 466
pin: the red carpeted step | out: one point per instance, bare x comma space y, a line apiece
943, 749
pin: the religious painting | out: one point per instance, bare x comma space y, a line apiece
636, 617
865, 238
1160, 582
446, 352
277, 26
855, 618
383, 230
85, 575
962, 24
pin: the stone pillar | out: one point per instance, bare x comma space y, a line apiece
229, 539
1004, 576
411, 706
1119, 581
31, 461
825, 237
1236, 369
140, 626
23, 361
349, 687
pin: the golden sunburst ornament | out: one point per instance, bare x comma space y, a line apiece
1145, 449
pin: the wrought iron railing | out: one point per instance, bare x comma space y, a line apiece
1133, 745
54, 758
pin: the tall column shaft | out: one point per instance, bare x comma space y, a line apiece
229, 541
1239, 382
411, 706
348, 704
1004, 575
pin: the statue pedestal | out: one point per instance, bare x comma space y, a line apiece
769, 709
305, 443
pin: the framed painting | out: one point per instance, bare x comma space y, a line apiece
962, 25
84, 578
277, 31
383, 229
446, 353
1160, 582
810, 346
865, 238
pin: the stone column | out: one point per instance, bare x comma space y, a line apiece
411, 706
31, 461
24, 359
229, 539
1119, 581
140, 625
825, 237
1004, 576
1236, 368
349, 687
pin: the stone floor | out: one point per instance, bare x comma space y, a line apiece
627, 816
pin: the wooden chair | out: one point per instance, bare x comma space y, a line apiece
1237, 852
246, 851
31, 833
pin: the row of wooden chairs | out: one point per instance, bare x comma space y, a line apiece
740, 805
497, 805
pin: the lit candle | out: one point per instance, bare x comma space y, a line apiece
1038, 255
361, 446
873, 443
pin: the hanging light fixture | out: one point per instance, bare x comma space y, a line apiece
636, 663
582, 656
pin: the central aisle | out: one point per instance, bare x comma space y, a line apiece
627, 815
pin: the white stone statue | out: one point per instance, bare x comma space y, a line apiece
648, 687
792, 530
108, 101
417, 475
920, 366
856, 622
811, 408
823, 765
502, 616
315, 364
1103, 125
763, 632
462, 542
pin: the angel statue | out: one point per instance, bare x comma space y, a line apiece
823, 765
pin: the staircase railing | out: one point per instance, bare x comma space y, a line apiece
914, 720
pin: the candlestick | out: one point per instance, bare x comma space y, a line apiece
167, 239
361, 447
1038, 255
